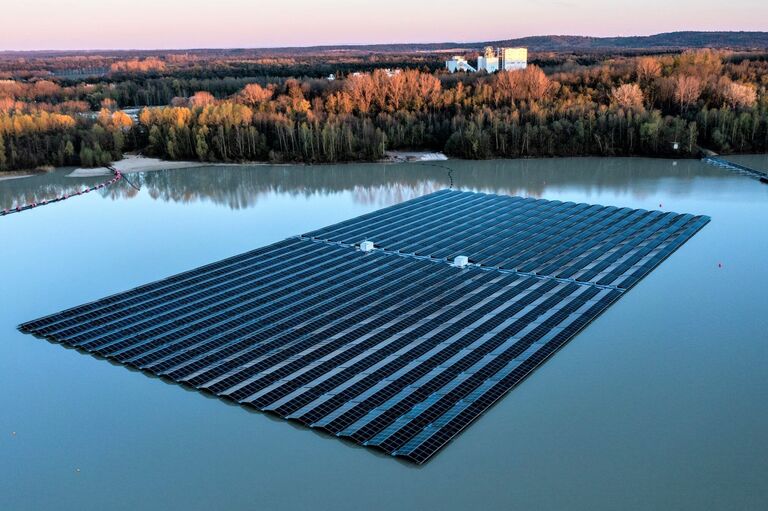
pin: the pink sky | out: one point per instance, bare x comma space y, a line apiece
94, 24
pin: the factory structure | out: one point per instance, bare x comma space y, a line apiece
492, 60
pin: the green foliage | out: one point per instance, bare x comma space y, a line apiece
3, 158
86, 157
470, 142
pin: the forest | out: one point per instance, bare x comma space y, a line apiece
289, 110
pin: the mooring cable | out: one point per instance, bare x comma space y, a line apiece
129, 182
450, 170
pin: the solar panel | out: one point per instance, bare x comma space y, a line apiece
394, 348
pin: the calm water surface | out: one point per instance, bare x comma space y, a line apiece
659, 404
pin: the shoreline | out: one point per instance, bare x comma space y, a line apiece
133, 163
412, 156
20, 174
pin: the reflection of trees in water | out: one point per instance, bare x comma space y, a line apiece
385, 195
46, 186
381, 185
240, 187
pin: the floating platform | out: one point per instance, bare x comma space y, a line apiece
393, 345
716, 161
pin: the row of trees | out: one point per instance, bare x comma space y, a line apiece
39, 139
649, 105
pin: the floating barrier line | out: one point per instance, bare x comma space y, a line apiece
18, 209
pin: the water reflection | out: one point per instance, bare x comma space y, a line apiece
44, 186
239, 187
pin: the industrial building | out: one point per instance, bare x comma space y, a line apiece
458, 64
488, 61
513, 58
492, 60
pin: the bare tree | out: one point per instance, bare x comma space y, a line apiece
648, 68
737, 95
628, 96
687, 90
536, 82
530, 84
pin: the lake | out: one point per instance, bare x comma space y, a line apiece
658, 404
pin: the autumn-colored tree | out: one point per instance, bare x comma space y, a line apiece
201, 99
339, 103
45, 89
703, 64
360, 88
687, 90
108, 104
12, 89
145, 117
138, 66
120, 120
105, 117
527, 84
738, 95
648, 69
628, 96
6, 103
254, 94
298, 104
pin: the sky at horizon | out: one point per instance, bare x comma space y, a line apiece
166, 24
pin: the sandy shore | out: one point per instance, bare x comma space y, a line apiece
133, 163
413, 156
15, 176
20, 174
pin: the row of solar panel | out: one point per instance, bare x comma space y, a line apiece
380, 332
221, 270
583, 242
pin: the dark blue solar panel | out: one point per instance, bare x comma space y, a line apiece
395, 348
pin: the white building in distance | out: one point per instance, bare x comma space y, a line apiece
488, 61
513, 58
492, 60
458, 64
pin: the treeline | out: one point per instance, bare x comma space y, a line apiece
36, 138
658, 106
114, 68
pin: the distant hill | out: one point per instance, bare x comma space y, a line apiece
544, 43
671, 40
562, 43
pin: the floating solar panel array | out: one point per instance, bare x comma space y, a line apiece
396, 347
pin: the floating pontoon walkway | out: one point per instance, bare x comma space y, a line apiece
735, 167
396, 347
